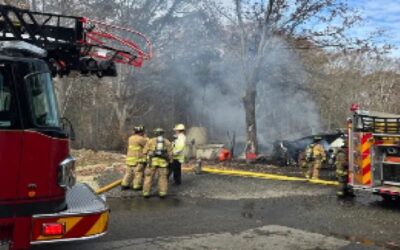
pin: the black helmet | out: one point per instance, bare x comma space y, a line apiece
139, 129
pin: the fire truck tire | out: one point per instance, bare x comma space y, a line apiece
389, 198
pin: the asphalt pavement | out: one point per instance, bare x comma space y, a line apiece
226, 212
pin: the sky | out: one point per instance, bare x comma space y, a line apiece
377, 14
380, 14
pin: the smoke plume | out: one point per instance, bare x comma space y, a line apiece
209, 67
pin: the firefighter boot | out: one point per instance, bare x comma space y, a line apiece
341, 192
162, 182
303, 167
315, 174
138, 180
344, 191
342, 187
128, 177
148, 180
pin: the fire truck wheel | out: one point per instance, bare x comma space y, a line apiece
388, 198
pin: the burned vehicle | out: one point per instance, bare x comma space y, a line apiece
286, 153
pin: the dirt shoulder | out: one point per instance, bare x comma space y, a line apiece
91, 165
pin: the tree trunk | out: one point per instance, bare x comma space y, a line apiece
249, 102
121, 111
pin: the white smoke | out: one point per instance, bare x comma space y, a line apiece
212, 72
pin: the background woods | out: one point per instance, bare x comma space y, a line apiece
268, 70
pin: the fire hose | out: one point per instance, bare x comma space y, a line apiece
108, 187
238, 173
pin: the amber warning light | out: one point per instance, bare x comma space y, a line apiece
53, 229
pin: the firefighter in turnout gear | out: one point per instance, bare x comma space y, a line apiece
317, 157
302, 162
135, 160
159, 155
307, 166
342, 173
179, 154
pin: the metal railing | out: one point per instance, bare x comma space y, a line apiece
373, 124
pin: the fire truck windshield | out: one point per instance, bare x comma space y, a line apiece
42, 100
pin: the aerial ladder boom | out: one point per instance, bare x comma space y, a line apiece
75, 43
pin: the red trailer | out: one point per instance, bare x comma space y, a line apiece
39, 200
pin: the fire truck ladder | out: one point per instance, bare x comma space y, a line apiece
75, 43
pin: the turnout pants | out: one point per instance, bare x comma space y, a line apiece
303, 164
149, 174
342, 187
175, 168
133, 176
342, 177
316, 168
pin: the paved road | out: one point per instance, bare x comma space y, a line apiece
221, 212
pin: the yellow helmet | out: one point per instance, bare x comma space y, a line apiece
179, 127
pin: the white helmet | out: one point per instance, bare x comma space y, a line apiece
179, 127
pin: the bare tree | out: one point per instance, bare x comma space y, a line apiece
225, 60
257, 23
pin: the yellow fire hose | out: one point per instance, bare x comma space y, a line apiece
109, 187
235, 173
265, 176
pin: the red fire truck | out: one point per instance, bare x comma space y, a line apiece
39, 200
374, 153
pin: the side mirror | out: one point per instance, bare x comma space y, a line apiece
68, 128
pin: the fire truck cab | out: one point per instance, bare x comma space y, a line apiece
39, 201
374, 153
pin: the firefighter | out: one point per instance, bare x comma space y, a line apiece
159, 154
308, 154
135, 160
302, 162
318, 156
179, 154
342, 173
